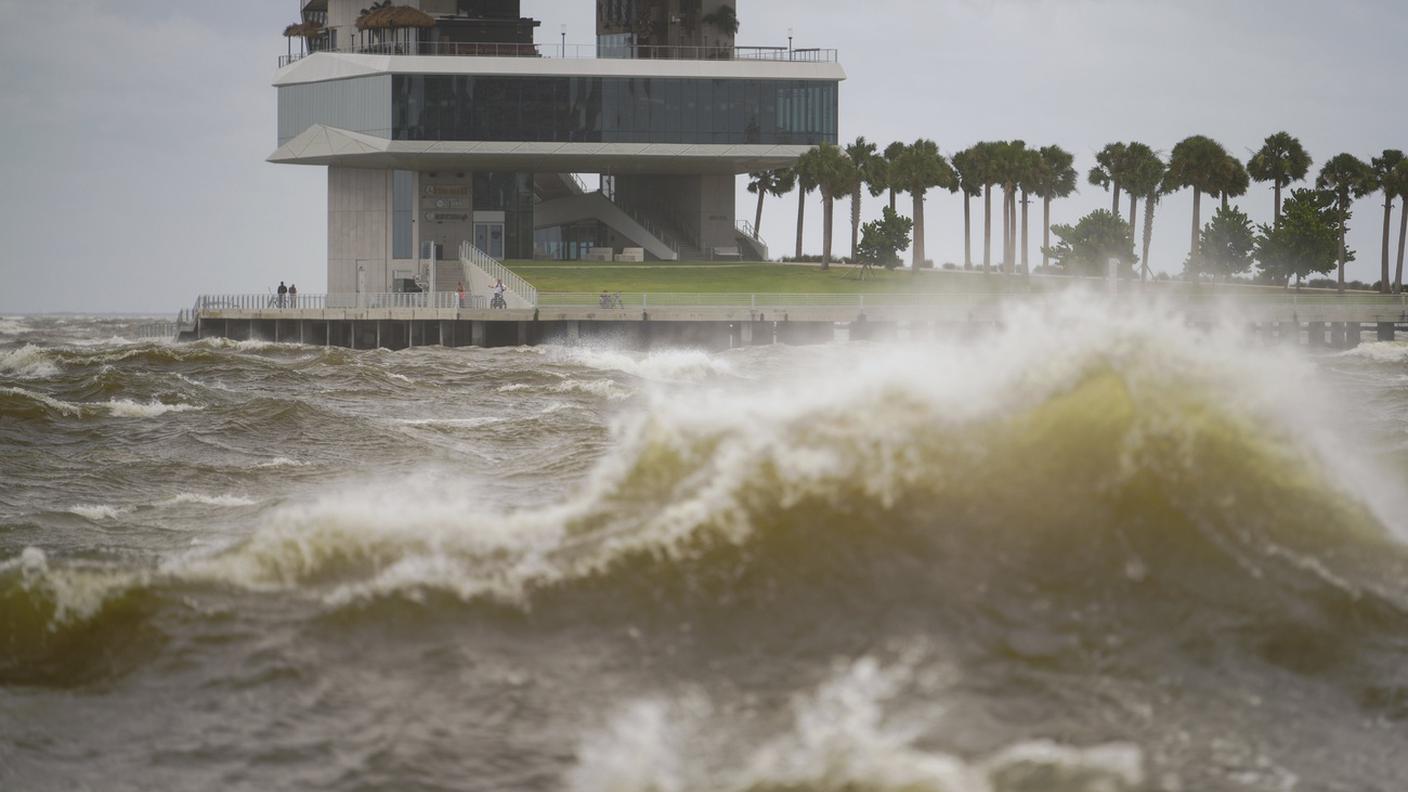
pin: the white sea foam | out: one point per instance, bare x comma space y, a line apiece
1380, 352
223, 501
125, 408
672, 365
97, 513
468, 423
10, 326
841, 737
282, 462
28, 362
400, 377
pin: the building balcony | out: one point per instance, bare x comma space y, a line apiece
577, 51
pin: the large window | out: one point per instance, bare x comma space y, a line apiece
403, 211
358, 105
613, 110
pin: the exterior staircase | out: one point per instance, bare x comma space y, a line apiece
596, 206
483, 271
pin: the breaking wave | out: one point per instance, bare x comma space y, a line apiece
1380, 352
27, 362
843, 736
1125, 467
670, 365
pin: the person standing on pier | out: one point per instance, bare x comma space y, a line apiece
459, 289
292, 295
283, 294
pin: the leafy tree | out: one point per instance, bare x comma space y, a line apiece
883, 239
1057, 179
1198, 162
1107, 172
1143, 178
1348, 178
863, 155
967, 164
1384, 169
1227, 243
834, 175
919, 169
725, 20
1282, 160
1087, 247
1305, 241
776, 183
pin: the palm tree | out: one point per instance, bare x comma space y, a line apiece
1282, 161
919, 169
1385, 168
776, 183
1010, 160
986, 155
725, 20
1198, 162
834, 175
1235, 180
1058, 180
892, 153
862, 154
1143, 177
1400, 181
968, 166
1031, 176
805, 186
1348, 178
1107, 172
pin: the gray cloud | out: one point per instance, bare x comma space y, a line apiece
135, 132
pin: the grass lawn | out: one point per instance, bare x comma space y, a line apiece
708, 277
702, 277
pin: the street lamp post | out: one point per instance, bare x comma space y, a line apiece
563, 30
789, 43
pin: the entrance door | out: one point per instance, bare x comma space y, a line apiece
489, 237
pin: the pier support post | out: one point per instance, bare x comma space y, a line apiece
1337, 335
1352, 334
574, 330
478, 335
1317, 334
523, 336
1385, 331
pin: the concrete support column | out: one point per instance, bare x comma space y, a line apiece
1317, 334
1337, 335
1386, 330
1352, 334
574, 331
478, 334
524, 337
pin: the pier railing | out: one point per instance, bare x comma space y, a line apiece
320, 302
495, 269
908, 299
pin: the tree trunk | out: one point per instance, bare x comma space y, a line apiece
855, 224
1026, 226
828, 217
1197, 227
892, 199
758, 223
1340, 288
801, 217
1133, 220
1115, 205
1012, 230
967, 231
1148, 232
1045, 232
1224, 202
1006, 230
987, 228
1276, 220
918, 230
1384, 286
1402, 233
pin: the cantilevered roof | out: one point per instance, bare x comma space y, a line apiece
324, 145
323, 66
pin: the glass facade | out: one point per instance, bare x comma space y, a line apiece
613, 110
358, 105
403, 211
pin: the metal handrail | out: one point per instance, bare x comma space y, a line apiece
319, 302
576, 52
472, 255
908, 299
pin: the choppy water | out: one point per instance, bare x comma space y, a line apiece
1089, 552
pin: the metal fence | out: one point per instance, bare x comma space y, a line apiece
319, 302
580, 51
473, 256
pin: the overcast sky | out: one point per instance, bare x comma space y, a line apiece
134, 133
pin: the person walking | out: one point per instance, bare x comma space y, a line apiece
460, 291
292, 296
283, 294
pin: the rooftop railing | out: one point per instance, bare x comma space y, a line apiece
580, 52
442, 301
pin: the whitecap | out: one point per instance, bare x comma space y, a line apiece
223, 501
97, 513
124, 408
28, 362
1380, 352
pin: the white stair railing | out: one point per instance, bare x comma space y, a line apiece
469, 254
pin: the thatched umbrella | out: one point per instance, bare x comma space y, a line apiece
395, 18
303, 30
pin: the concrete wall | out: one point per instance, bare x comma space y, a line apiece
359, 229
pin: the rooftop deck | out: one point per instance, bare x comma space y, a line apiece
580, 52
